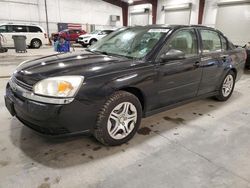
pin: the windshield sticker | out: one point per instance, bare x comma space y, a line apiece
158, 30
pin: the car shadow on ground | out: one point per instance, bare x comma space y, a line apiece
62, 153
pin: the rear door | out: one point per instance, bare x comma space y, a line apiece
179, 79
20, 30
212, 60
34, 32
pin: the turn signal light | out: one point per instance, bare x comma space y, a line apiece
64, 87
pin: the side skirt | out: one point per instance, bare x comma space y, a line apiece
165, 108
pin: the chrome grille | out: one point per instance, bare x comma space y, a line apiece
21, 84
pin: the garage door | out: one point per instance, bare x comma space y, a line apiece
139, 19
234, 21
177, 16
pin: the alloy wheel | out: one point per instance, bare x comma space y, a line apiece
227, 85
122, 120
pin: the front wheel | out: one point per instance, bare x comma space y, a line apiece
119, 119
227, 87
92, 41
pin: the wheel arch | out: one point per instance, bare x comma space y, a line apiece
93, 39
235, 71
138, 93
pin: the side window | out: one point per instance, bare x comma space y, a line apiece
185, 41
210, 41
105, 32
34, 29
19, 28
71, 32
3, 29
10, 28
223, 43
77, 31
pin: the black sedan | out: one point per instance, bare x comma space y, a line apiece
132, 73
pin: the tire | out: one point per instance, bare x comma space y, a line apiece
92, 41
35, 43
224, 94
115, 130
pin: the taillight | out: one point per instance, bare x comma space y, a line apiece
45, 35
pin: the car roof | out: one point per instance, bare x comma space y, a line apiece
172, 26
175, 27
25, 24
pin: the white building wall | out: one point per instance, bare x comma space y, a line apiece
194, 11
67, 11
210, 12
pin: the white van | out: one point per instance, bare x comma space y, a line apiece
35, 34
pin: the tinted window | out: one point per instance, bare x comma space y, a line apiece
231, 45
10, 28
106, 32
34, 29
19, 28
223, 43
3, 29
185, 41
210, 41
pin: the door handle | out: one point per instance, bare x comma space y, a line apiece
196, 64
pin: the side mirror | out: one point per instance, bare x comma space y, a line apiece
173, 55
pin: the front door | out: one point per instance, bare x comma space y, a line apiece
180, 75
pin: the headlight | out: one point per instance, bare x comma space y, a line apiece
62, 86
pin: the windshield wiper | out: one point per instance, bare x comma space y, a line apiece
107, 53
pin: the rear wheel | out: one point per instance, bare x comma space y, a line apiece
36, 43
227, 87
119, 119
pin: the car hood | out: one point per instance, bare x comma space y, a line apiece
82, 63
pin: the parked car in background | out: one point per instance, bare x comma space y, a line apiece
93, 37
35, 34
132, 73
69, 34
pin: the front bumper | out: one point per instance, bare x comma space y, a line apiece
52, 119
83, 41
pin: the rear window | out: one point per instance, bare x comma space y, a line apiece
223, 43
210, 41
34, 29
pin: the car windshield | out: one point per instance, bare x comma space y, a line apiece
134, 42
95, 32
